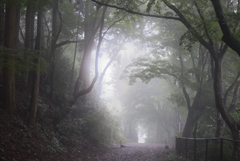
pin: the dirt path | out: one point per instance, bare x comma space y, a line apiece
134, 152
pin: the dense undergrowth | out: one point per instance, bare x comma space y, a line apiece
60, 133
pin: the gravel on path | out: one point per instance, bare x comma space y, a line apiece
133, 152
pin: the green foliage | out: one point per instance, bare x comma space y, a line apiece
70, 20
178, 98
99, 125
63, 84
23, 3
23, 60
88, 122
187, 40
146, 69
149, 5
54, 147
42, 108
214, 149
71, 130
236, 115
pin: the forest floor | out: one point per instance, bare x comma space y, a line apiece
133, 152
18, 142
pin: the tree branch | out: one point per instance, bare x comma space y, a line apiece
228, 37
230, 88
189, 27
235, 97
180, 18
133, 12
204, 24
186, 95
67, 42
60, 26
87, 90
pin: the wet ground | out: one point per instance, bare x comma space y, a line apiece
134, 152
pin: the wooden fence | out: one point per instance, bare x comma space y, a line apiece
205, 149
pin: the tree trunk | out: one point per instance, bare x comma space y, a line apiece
219, 100
194, 109
75, 51
107, 66
36, 76
1, 37
190, 123
83, 79
10, 41
29, 34
90, 31
53, 48
195, 130
84, 73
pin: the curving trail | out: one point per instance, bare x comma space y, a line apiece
134, 152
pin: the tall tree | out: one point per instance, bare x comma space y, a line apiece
180, 12
10, 43
56, 28
1, 34
217, 50
29, 33
84, 72
36, 75
91, 26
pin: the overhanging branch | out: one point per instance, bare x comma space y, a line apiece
228, 37
134, 12
67, 42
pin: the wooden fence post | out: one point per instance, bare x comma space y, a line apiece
206, 149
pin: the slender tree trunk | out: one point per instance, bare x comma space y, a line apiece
85, 66
218, 90
29, 34
83, 79
36, 76
107, 66
190, 124
1, 37
90, 30
75, 50
53, 48
10, 41
192, 108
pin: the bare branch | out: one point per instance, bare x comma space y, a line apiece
67, 42
87, 90
134, 12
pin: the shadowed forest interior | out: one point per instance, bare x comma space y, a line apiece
80, 77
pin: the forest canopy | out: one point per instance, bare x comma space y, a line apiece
117, 71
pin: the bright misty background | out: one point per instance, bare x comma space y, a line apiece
78, 74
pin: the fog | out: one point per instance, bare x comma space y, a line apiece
144, 109
78, 74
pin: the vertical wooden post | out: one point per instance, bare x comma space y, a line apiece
180, 147
221, 149
206, 149
186, 149
176, 144
194, 156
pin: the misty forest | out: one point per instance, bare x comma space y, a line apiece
120, 80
